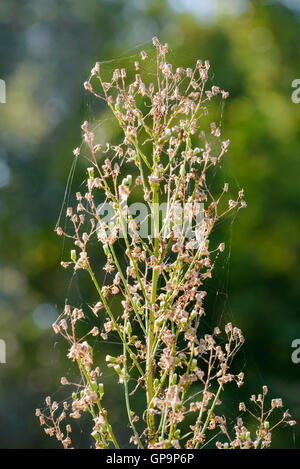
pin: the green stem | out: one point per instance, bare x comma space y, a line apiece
210, 414
101, 410
150, 329
127, 289
131, 354
129, 413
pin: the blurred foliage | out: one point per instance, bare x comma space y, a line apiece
47, 48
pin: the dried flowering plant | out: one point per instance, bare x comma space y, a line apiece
161, 276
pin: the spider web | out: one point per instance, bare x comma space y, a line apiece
218, 288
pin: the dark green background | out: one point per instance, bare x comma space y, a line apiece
47, 48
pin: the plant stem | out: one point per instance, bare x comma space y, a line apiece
131, 354
210, 414
127, 401
127, 289
101, 410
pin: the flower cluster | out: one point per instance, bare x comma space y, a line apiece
172, 149
261, 437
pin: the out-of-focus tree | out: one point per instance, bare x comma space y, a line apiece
47, 48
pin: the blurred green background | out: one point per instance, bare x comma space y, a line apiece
47, 48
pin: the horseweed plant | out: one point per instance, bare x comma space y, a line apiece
164, 355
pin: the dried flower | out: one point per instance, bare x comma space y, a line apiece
159, 278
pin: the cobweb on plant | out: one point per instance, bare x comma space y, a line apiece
104, 129
101, 126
